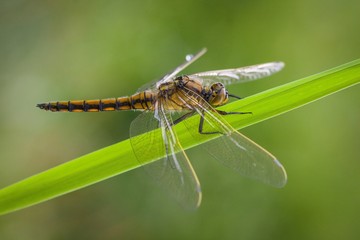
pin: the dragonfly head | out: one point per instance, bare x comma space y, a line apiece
219, 95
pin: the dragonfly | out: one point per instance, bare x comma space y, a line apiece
171, 101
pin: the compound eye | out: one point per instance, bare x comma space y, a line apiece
217, 87
219, 95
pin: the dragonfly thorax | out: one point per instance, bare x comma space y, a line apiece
167, 89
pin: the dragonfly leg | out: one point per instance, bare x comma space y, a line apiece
228, 113
183, 117
201, 123
234, 96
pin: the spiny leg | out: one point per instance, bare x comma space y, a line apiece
201, 123
234, 96
229, 113
183, 117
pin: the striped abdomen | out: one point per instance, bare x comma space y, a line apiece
138, 101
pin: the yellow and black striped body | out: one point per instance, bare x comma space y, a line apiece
139, 101
182, 93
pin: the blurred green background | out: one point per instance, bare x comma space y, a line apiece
96, 49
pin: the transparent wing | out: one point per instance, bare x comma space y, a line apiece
173, 171
189, 59
233, 149
237, 75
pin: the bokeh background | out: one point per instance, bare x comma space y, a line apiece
60, 50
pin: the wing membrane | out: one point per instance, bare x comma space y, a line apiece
189, 59
243, 74
233, 149
174, 171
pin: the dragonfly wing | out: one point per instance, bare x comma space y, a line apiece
173, 171
189, 59
233, 149
248, 158
237, 75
